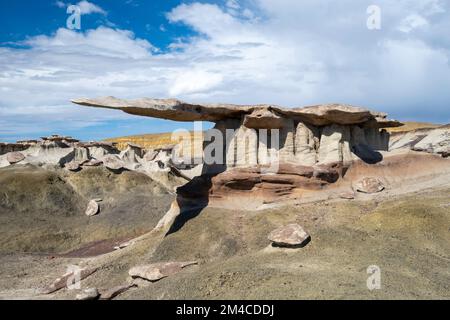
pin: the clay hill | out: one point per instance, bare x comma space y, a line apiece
347, 193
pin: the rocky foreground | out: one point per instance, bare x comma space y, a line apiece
346, 196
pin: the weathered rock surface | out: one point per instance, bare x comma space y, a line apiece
88, 294
67, 280
291, 235
349, 195
113, 162
173, 109
436, 141
92, 209
369, 185
14, 157
73, 165
157, 271
115, 291
263, 134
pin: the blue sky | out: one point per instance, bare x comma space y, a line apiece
285, 52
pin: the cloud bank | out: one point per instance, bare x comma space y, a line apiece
284, 52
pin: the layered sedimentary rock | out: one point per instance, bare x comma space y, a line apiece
322, 134
269, 150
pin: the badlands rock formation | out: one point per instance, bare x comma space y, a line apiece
310, 146
308, 136
56, 152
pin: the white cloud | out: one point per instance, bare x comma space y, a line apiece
412, 22
194, 82
86, 7
289, 53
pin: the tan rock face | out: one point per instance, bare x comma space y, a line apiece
292, 235
369, 185
157, 271
14, 157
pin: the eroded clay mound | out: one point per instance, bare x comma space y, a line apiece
45, 211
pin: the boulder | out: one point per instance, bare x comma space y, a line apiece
92, 209
157, 271
72, 166
291, 235
14, 157
369, 185
88, 294
113, 162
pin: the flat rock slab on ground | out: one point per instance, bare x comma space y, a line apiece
157, 271
115, 291
349, 195
291, 235
67, 279
369, 185
88, 294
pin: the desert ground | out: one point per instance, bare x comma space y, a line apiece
404, 230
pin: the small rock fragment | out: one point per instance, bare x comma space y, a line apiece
114, 292
157, 271
369, 185
291, 235
123, 245
88, 294
92, 209
347, 195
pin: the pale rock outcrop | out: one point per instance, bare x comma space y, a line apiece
335, 145
246, 141
81, 154
287, 134
307, 141
132, 154
113, 162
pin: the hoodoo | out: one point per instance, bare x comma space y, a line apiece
268, 150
